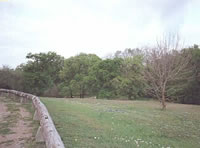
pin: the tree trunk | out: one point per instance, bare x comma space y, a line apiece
163, 100
129, 97
83, 93
71, 95
163, 103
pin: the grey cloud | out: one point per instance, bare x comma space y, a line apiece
171, 12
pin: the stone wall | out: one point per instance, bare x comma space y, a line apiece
47, 131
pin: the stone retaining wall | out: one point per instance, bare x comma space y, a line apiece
47, 131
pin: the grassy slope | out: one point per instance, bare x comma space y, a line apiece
115, 124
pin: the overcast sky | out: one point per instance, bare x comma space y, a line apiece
69, 27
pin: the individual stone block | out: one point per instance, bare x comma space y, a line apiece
39, 137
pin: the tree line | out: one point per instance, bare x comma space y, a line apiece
164, 72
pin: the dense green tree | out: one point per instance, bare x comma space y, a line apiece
41, 72
11, 78
75, 75
103, 74
187, 90
130, 82
128, 53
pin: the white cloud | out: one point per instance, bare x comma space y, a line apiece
101, 27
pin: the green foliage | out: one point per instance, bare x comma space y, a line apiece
103, 74
104, 93
75, 75
42, 72
188, 90
10, 78
131, 82
121, 76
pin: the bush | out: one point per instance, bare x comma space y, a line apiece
105, 94
52, 92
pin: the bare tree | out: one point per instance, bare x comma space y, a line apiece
165, 63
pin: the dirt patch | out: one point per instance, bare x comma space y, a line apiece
16, 126
3, 112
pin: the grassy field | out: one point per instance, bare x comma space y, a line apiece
91, 123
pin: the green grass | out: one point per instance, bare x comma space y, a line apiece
117, 124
